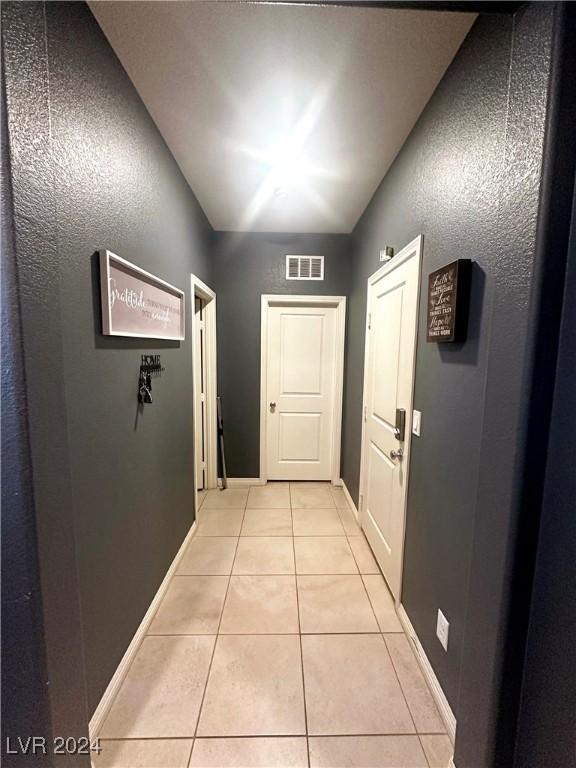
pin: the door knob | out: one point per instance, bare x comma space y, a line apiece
397, 454
272, 407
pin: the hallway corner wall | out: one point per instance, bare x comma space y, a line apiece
247, 265
102, 177
25, 698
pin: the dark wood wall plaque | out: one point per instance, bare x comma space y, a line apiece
448, 299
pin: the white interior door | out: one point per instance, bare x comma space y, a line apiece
300, 400
392, 309
200, 393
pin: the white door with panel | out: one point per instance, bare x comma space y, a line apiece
200, 393
300, 401
391, 329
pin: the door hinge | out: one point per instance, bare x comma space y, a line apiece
365, 412
369, 320
360, 502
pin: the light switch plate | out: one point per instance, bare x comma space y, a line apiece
416, 422
442, 629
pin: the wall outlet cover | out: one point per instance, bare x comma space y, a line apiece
442, 629
416, 422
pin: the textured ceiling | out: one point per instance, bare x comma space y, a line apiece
282, 117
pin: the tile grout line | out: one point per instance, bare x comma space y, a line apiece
400, 685
191, 750
299, 631
279, 634
369, 600
423, 750
274, 736
217, 635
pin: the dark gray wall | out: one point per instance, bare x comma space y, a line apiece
37, 278
467, 179
546, 733
107, 180
247, 266
25, 704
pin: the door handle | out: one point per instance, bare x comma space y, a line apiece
397, 454
272, 407
400, 426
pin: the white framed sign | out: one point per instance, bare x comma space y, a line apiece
136, 303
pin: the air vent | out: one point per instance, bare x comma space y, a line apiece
304, 267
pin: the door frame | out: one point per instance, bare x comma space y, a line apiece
202, 291
415, 246
278, 300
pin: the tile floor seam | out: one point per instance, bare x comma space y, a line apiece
190, 755
423, 750
273, 736
300, 635
370, 601
216, 638
400, 684
434, 733
304, 573
279, 634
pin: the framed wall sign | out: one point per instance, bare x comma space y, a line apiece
136, 303
448, 300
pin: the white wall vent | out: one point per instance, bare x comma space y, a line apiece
304, 267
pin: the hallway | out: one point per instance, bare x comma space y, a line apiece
276, 644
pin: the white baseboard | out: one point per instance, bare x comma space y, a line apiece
97, 719
429, 674
350, 502
242, 482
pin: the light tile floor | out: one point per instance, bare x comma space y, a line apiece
276, 644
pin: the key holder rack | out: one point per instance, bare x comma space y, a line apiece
150, 367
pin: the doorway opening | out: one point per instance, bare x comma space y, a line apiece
302, 365
204, 387
389, 367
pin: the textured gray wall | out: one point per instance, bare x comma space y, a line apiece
468, 179
546, 734
108, 181
25, 701
247, 266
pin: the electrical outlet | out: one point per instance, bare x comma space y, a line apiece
416, 422
442, 629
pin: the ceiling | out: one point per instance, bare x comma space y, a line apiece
283, 118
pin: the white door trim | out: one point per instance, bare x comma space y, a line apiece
200, 289
403, 256
339, 302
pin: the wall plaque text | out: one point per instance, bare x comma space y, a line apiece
448, 298
136, 303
